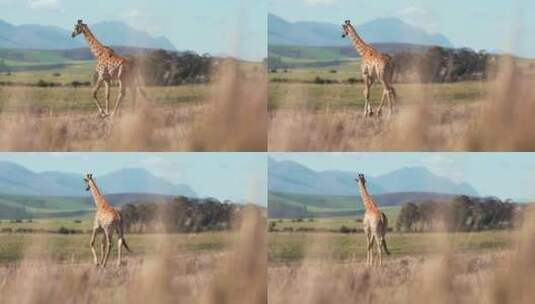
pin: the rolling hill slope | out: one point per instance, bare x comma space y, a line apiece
292, 205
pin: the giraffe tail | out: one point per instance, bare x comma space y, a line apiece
384, 246
125, 245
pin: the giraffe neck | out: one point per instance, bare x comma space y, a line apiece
358, 43
95, 46
367, 200
100, 201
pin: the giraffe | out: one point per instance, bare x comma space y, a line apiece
375, 223
374, 66
109, 66
107, 219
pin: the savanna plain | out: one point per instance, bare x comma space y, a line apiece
316, 103
46, 104
55, 264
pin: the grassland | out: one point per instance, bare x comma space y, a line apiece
205, 268
296, 89
288, 247
61, 248
187, 117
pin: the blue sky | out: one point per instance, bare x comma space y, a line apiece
235, 27
505, 175
235, 176
481, 24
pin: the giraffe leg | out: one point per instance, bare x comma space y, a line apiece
95, 93
102, 249
92, 245
120, 236
370, 249
368, 239
107, 86
108, 235
367, 106
380, 110
380, 250
122, 93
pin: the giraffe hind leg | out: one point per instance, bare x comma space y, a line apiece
122, 93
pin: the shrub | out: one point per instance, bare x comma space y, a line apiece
344, 229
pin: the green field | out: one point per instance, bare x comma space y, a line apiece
333, 223
314, 206
15, 247
287, 247
296, 88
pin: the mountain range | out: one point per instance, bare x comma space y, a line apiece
18, 180
43, 37
292, 177
380, 30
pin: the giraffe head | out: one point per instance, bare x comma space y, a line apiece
88, 179
361, 180
79, 28
345, 28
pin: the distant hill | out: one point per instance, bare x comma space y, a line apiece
292, 205
17, 180
24, 206
292, 177
381, 30
43, 37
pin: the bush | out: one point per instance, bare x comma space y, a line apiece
345, 229
353, 80
333, 71
56, 74
78, 221
272, 226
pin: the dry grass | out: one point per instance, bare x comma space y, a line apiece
499, 122
232, 118
504, 276
237, 275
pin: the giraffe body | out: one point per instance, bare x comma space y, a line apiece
107, 220
375, 224
375, 66
110, 66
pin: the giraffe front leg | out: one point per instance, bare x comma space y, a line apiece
92, 245
380, 250
381, 104
102, 249
367, 109
108, 237
95, 96
107, 86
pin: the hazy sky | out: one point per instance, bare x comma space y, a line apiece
505, 175
480, 24
236, 27
235, 176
